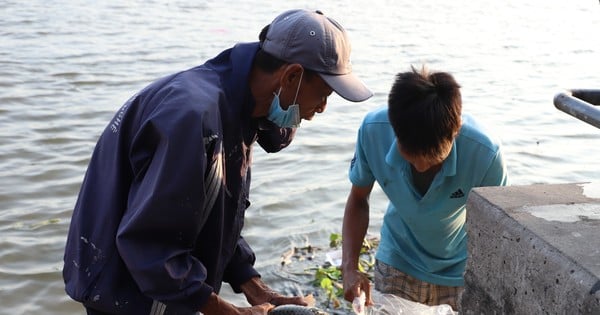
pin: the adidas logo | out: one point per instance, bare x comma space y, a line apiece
457, 194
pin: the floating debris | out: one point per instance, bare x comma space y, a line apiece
299, 254
323, 272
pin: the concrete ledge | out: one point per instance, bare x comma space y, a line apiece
533, 250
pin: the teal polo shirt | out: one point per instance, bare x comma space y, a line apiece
424, 235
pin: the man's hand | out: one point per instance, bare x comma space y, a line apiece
257, 292
217, 306
355, 282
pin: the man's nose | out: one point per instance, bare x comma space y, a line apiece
321, 108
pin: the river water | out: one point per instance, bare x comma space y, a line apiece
67, 66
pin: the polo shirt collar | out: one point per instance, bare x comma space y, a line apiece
449, 167
394, 159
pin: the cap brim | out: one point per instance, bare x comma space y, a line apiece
348, 86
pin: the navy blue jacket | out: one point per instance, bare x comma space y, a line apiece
157, 224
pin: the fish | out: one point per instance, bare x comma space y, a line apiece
290, 309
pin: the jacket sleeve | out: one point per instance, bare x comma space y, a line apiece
165, 207
241, 267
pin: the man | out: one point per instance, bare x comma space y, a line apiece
157, 225
426, 157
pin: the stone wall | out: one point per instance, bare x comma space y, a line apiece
533, 250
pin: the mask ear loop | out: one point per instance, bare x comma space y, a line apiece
298, 89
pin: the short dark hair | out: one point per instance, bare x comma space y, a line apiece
424, 109
269, 63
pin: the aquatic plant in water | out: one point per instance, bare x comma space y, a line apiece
328, 276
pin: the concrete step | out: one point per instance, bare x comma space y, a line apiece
533, 250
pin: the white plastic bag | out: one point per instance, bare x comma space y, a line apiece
394, 305
358, 305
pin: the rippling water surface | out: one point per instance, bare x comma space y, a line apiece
66, 66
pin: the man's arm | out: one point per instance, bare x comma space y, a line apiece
354, 229
157, 233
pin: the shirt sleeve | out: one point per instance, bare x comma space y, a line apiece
164, 213
360, 173
496, 174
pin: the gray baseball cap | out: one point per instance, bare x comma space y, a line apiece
318, 43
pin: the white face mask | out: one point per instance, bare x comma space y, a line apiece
289, 118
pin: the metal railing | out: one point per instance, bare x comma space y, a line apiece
580, 104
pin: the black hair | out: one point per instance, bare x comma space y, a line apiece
424, 109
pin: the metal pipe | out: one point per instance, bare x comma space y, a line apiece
580, 104
590, 96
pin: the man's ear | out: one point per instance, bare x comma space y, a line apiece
291, 75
